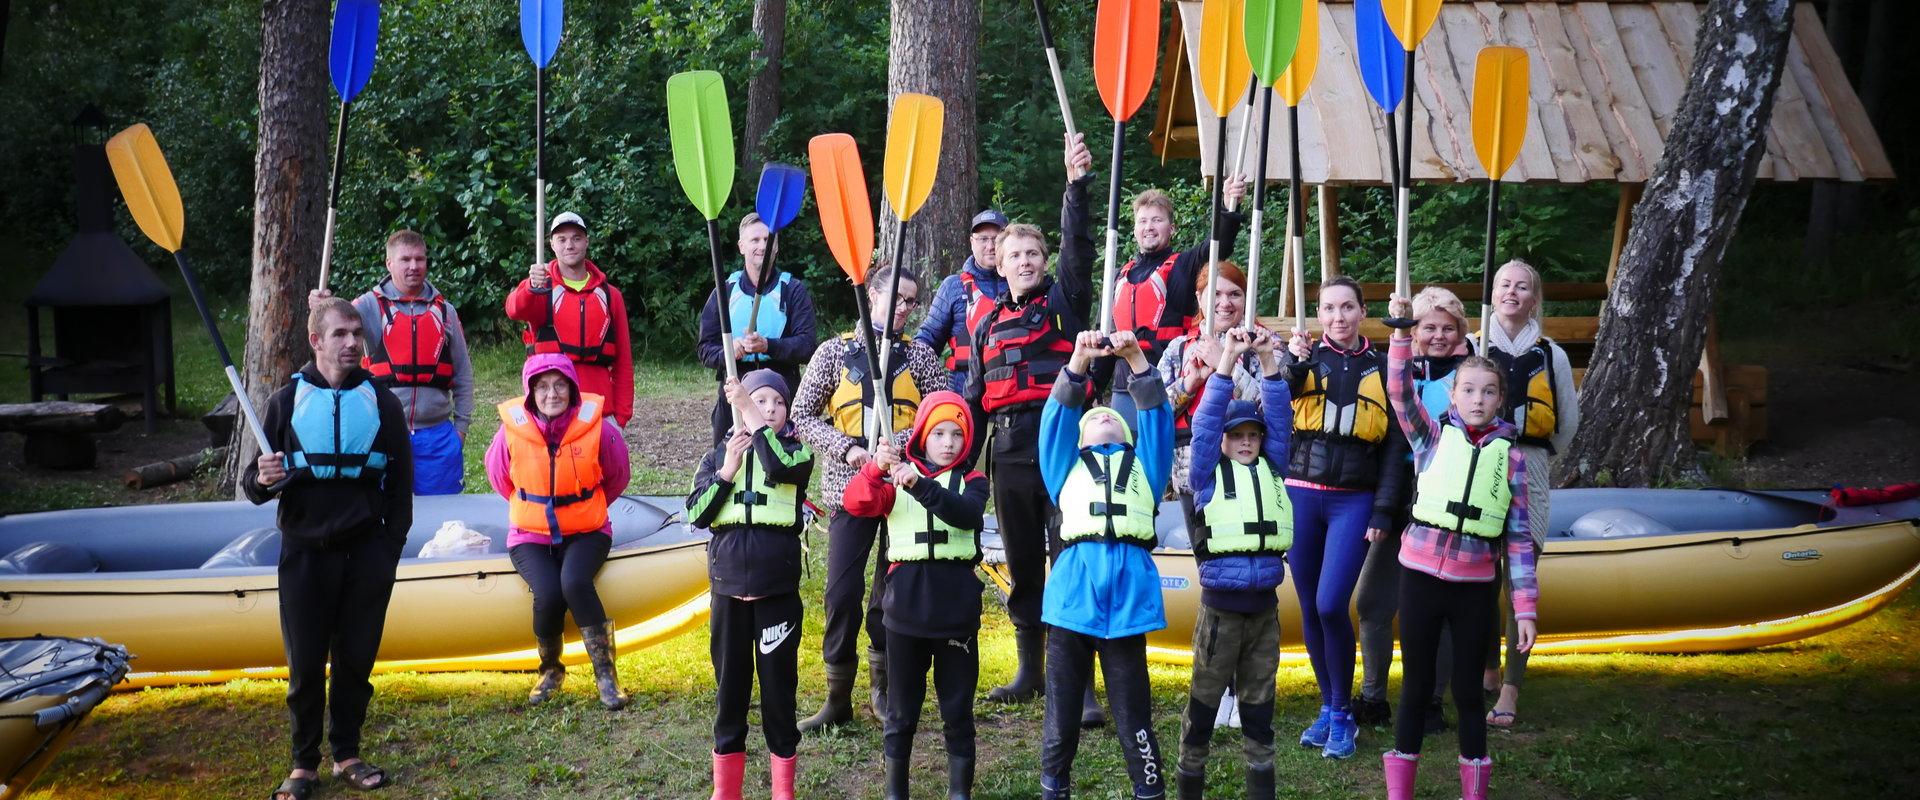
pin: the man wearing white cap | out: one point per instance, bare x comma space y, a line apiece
570, 308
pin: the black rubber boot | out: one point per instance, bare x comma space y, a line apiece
1372, 712
838, 708
1192, 787
1030, 676
959, 777
552, 672
897, 779
1260, 783
1091, 714
599, 641
877, 676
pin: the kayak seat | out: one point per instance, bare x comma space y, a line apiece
1613, 523
48, 558
259, 547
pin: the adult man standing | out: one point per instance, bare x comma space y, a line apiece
342, 469
770, 316
417, 349
966, 297
570, 308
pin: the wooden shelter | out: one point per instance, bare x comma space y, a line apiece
1606, 81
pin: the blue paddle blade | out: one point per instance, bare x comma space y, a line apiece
1383, 62
782, 188
540, 29
356, 29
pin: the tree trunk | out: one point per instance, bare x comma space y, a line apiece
763, 91
289, 201
934, 50
1633, 406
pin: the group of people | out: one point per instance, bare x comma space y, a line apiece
1351, 468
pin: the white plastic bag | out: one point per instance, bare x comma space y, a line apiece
455, 540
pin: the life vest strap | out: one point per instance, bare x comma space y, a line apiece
1465, 511
556, 500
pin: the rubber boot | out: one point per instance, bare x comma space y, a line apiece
1436, 721
838, 707
1191, 787
727, 773
897, 779
552, 672
877, 676
599, 641
1091, 714
1400, 769
1030, 644
959, 777
1065, 792
782, 770
1474, 775
1260, 783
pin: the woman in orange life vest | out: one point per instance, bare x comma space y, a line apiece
559, 460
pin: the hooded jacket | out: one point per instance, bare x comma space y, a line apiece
426, 406
615, 468
535, 307
324, 514
1240, 583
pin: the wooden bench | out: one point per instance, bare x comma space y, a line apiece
59, 434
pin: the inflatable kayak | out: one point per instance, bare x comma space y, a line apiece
1653, 570
190, 589
47, 686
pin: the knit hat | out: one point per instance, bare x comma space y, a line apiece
766, 378
1243, 411
945, 412
1126, 431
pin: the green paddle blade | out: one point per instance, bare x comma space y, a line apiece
702, 134
1272, 30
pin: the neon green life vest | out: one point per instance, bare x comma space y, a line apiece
756, 502
1248, 513
1106, 496
1464, 488
915, 533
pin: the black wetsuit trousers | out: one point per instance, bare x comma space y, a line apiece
849, 548
333, 608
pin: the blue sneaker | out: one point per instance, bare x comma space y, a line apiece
1342, 730
1316, 734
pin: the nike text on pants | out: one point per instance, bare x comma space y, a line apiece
755, 637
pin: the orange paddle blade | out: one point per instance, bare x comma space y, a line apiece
1126, 43
147, 184
1410, 19
913, 152
1223, 67
1306, 56
1499, 107
846, 212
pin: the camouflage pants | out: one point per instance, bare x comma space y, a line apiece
1238, 650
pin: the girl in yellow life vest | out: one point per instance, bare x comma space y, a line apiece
1469, 509
558, 459
934, 507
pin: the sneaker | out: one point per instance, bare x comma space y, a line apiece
1316, 734
1229, 714
1436, 718
1341, 731
1372, 712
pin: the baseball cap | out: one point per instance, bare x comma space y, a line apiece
988, 217
567, 218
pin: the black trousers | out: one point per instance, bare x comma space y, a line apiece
756, 637
1069, 673
850, 541
561, 577
956, 673
723, 413
1427, 603
333, 608
1023, 509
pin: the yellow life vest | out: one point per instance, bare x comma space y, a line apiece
848, 404
1106, 496
915, 533
1464, 488
1343, 400
1248, 513
757, 502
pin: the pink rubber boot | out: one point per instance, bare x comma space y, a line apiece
1400, 768
1473, 778
782, 769
727, 772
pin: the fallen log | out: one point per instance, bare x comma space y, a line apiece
175, 470
56, 416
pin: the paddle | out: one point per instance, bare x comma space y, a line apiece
1410, 21
1499, 129
1221, 69
1126, 43
540, 23
782, 188
702, 135
1053, 64
154, 200
846, 222
1382, 68
1273, 33
1293, 89
356, 29
911, 161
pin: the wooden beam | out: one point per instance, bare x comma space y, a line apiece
1622, 222
1713, 386
1329, 233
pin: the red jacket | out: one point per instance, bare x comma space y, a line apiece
614, 383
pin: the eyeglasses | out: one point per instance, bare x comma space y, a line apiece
985, 238
903, 302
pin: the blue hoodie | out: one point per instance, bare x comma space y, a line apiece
947, 316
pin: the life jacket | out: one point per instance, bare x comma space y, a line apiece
1106, 498
556, 485
413, 347
1464, 488
334, 431
756, 502
1248, 514
848, 404
581, 327
979, 305
915, 533
1347, 400
1531, 392
1142, 307
1024, 352
772, 319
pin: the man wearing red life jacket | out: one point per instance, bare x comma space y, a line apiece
570, 308
416, 348
965, 297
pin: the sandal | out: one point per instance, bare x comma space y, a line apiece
1500, 719
361, 775
294, 788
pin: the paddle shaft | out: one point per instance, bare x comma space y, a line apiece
1393, 150
726, 323
1213, 236
1297, 221
873, 360
1403, 194
540, 180
766, 270
1053, 65
1113, 230
882, 400
1259, 208
333, 194
220, 347
1486, 264
1246, 131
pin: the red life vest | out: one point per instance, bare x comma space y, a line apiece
413, 348
1023, 352
979, 305
1142, 307
580, 326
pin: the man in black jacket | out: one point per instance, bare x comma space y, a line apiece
343, 472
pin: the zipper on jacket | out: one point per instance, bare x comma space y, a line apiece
338, 468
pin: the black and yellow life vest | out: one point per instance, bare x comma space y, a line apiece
1248, 514
915, 533
1344, 397
1107, 497
1531, 393
848, 404
1465, 488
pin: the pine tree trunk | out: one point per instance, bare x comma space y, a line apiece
289, 200
934, 50
1633, 406
763, 91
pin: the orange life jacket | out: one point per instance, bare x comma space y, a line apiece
556, 486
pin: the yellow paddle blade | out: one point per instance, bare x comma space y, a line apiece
141, 170
913, 152
1499, 107
1410, 19
1223, 66
1306, 56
